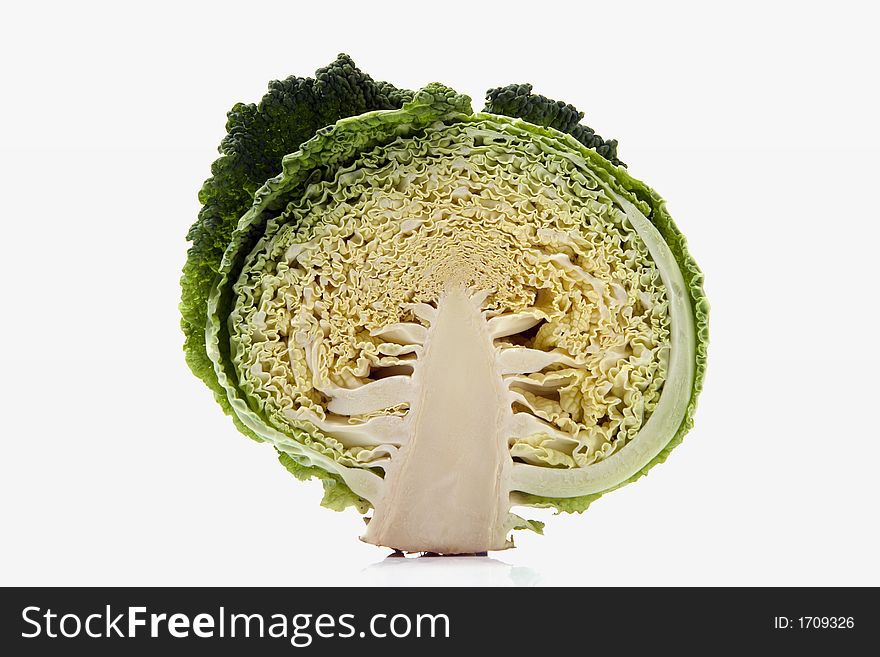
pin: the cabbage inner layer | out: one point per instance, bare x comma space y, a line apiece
462, 314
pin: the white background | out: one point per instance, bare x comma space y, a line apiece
757, 123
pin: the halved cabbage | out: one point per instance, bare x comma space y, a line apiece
448, 313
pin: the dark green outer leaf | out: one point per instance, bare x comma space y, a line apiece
518, 101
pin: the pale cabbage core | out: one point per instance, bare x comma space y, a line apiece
329, 301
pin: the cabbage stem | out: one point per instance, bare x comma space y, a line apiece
447, 490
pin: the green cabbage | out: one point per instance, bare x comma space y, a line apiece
442, 313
